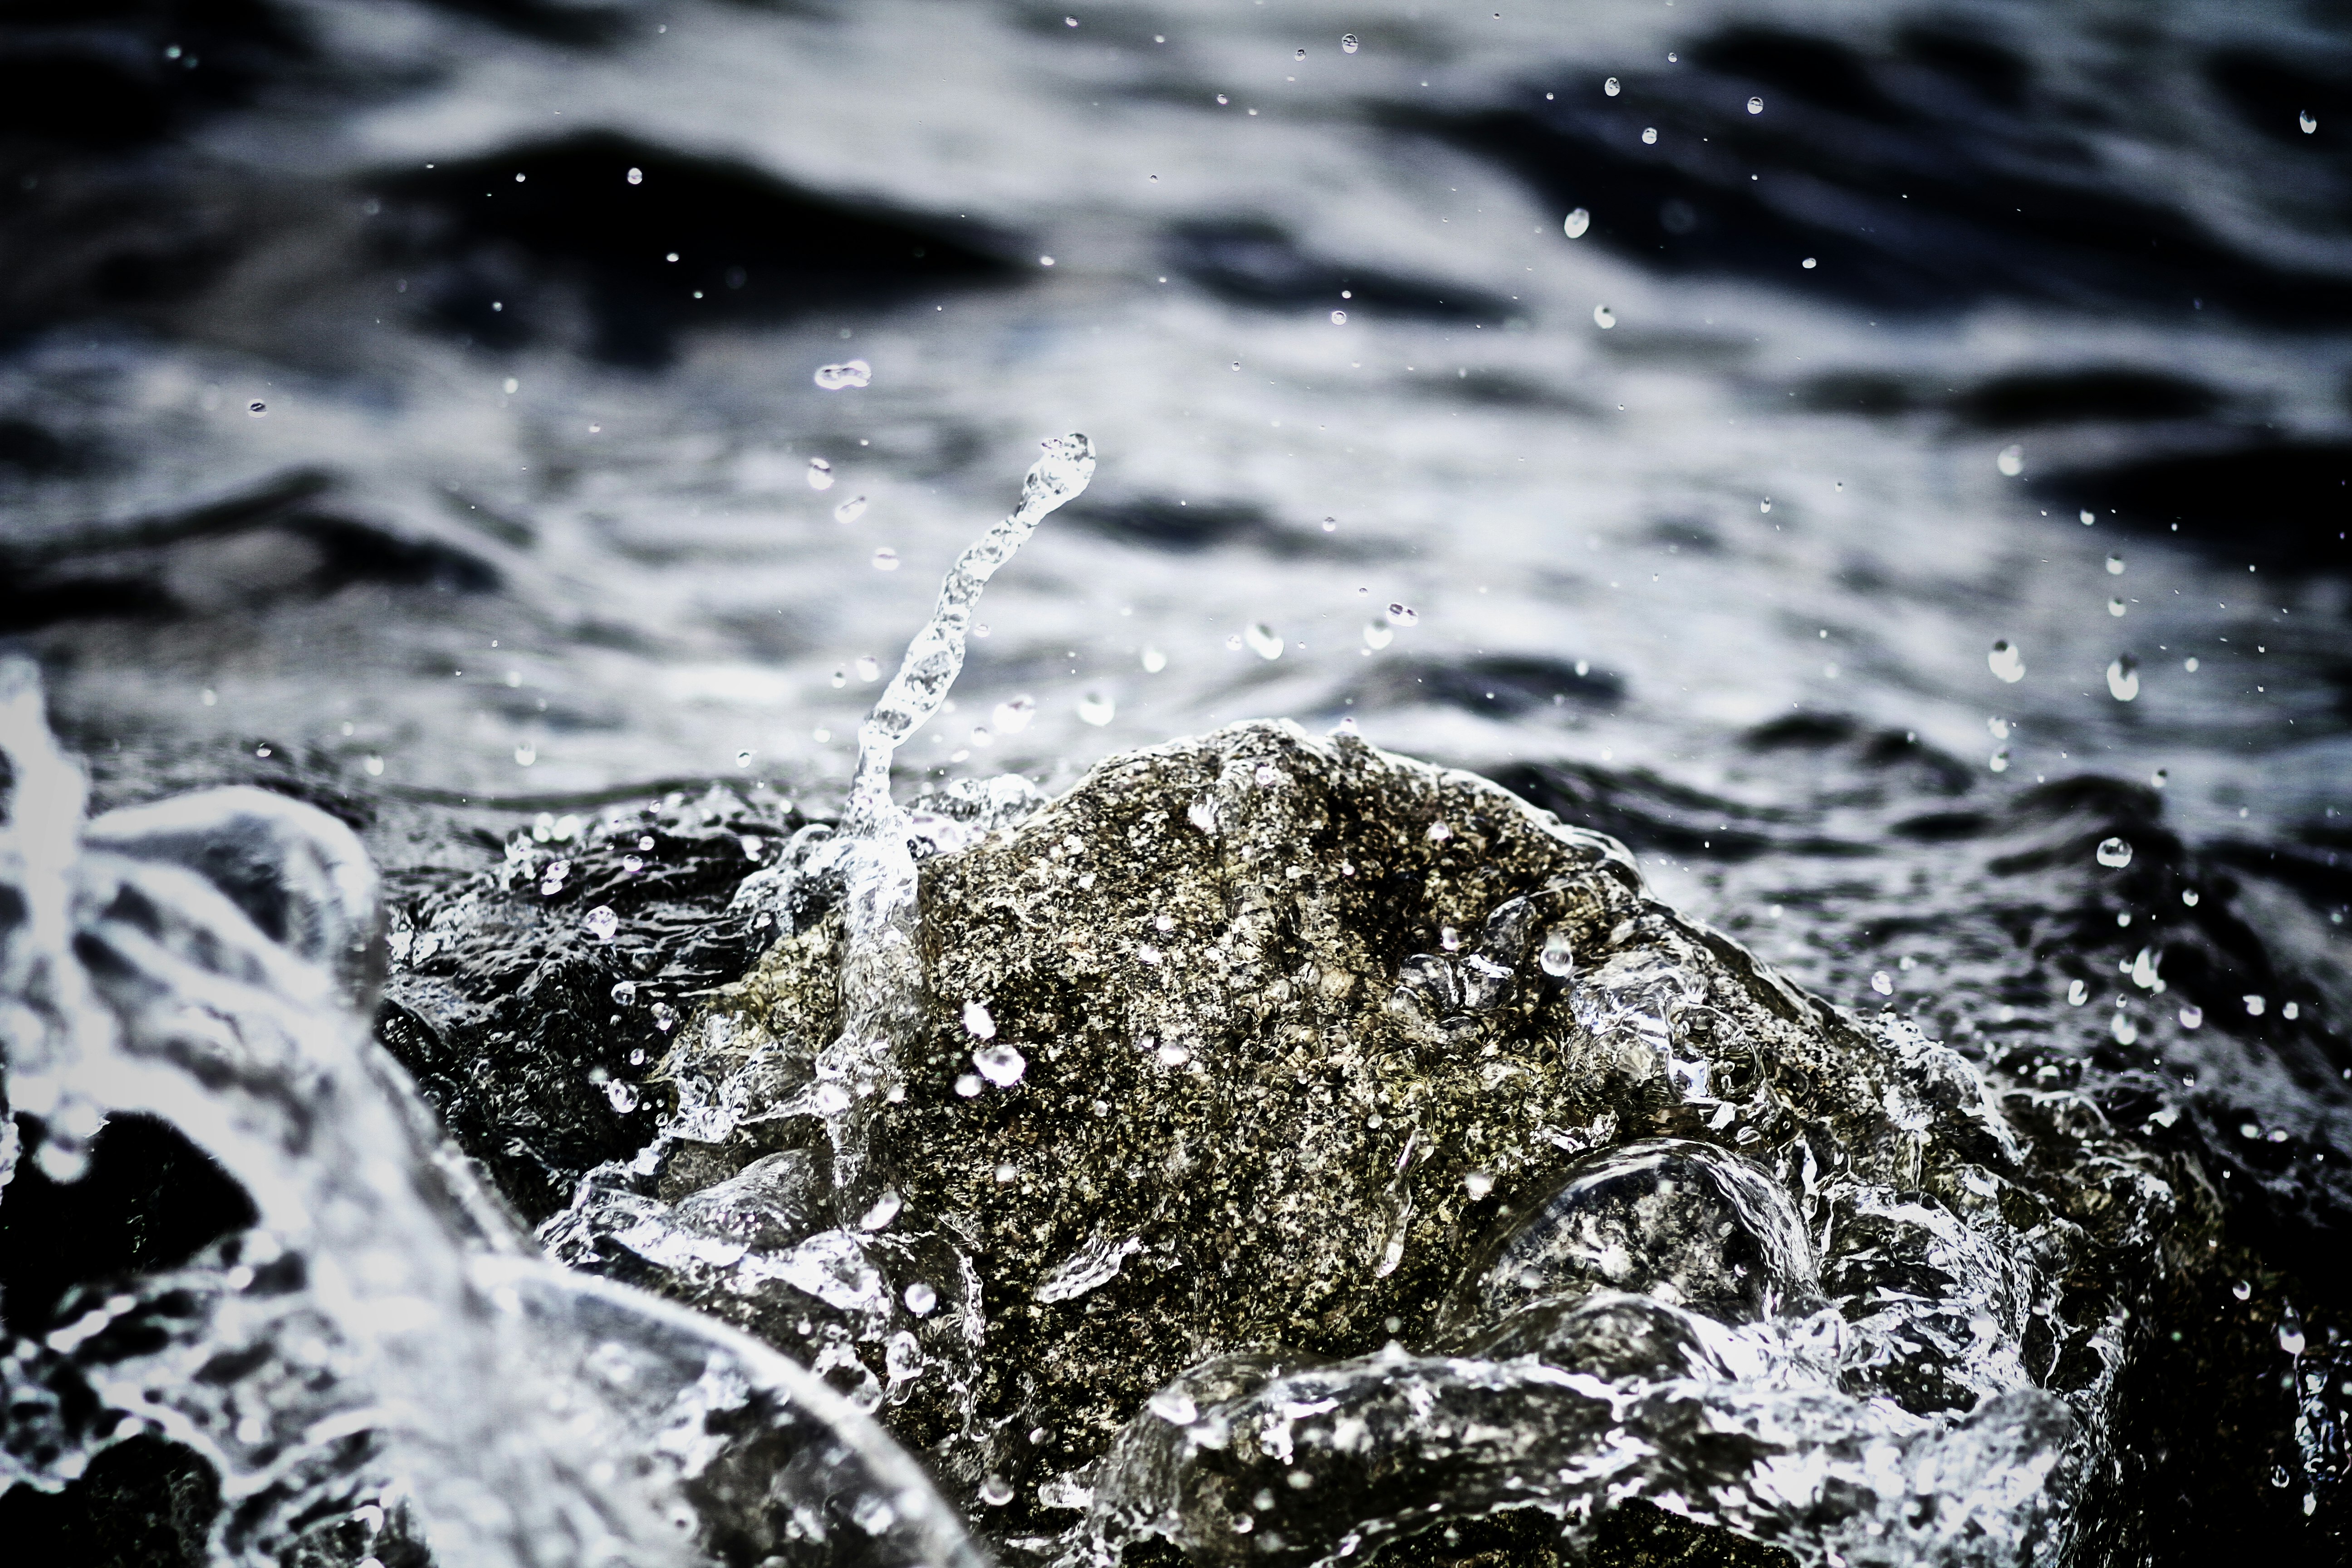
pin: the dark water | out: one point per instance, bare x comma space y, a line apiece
359, 437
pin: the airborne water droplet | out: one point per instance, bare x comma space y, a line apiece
849, 372
1883, 983
1338, 318
2115, 562
1154, 661
1263, 639
1000, 1064
623, 1097
886, 560
921, 1299
601, 922
996, 1492
820, 474
1097, 707
2191, 1016
2114, 852
1378, 634
850, 510
1348, 43
1012, 716
2117, 609
2123, 679
1611, 86
2007, 661
1755, 106
2309, 121
2077, 993
977, 1019
2011, 460
867, 667
1578, 220
1603, 317
1649, 136
1403, 616
1557, 957
886, 1209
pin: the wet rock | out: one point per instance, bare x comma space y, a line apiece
1265, 1046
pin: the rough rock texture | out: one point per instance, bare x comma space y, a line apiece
1293, 1048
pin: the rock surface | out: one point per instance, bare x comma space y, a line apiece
1266, 1045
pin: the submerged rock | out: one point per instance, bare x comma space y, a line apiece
1288, 1050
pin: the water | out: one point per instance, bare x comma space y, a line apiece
530, 526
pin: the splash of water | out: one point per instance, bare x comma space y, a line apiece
382, 1332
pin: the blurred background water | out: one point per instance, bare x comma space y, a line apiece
1936, 423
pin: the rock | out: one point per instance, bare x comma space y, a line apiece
1264, 1045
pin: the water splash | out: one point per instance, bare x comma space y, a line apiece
381, 1329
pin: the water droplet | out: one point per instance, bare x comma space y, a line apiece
1766, 505
1172, 1055
2124, 1031
2117, 608
968, 1084
637, 176
665, 1016
2191, 1016
1338, 318
2114, 852
2241, 1290
977, 1019
2309, 122
2123, 679
1175, 1406
1999, 762
848, 373
995, 1490
257, 408
526, 754
1611, 86
601, 922
2254, 1006
886, 1209
2007, 661
1012, 716
373, 764
623, 1097
624, 994
850, 510
1557, 957
1403, 616
1998, 727
1603, 317
2188, 897
1348, 44
2011, 460
2115, 562
921, 1299
1883, 983
1263, 639
2077, 993
867, 667
1330, 525
1154, 660
886, 560
2290, 1332
1300, 55
820, 474
1378, 634
1578, 222
1755, 106
1097, 707
1649, 136
1000, 1064
1809, 263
